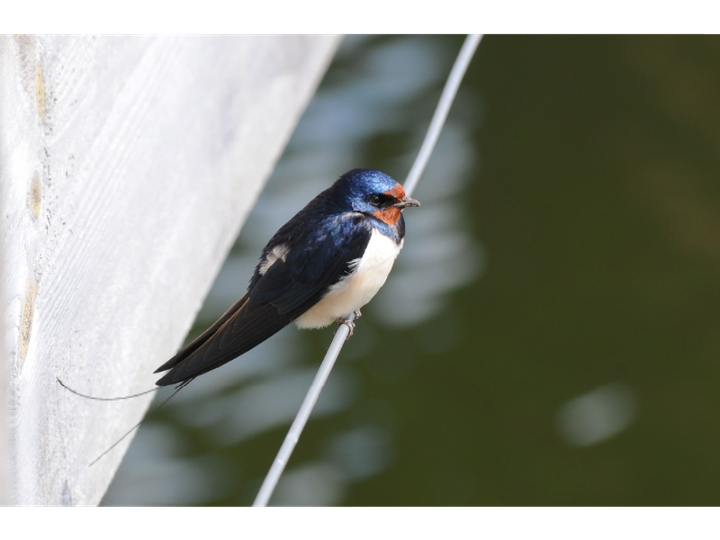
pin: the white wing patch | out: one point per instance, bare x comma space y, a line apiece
358, 288
278, 252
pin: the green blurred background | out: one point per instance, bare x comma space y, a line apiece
550, 334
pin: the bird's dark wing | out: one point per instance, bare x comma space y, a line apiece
285, 290
247, 327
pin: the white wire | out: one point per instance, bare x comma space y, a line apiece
293, 435
438, 120
303, 414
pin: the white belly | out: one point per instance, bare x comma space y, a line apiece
358, 288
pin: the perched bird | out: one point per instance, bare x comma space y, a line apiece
324, 264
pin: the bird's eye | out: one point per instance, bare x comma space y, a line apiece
375, 199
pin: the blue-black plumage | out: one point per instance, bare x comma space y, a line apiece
327, 262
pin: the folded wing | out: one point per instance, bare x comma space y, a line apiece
285, 290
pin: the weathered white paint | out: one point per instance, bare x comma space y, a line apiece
127, 166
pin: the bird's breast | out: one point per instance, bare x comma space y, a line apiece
357, 288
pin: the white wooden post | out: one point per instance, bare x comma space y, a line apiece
127, 166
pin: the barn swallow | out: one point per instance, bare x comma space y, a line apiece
327, 262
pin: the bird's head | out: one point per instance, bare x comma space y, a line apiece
375, 194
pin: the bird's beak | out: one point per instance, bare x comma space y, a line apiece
407, 201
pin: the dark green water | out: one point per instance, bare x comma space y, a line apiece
550, 334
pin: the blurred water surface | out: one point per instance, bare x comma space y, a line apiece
549, 335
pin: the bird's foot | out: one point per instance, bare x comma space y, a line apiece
349, 323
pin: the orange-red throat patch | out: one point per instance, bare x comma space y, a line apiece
389, 215
392, 214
